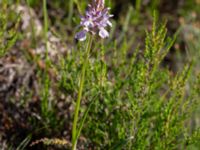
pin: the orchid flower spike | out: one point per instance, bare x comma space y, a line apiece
95, 21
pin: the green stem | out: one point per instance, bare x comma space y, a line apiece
80, 91
45, 101
70, 13
45, 26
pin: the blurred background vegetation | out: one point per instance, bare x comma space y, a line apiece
34, 104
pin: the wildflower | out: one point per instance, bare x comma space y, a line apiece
95, 21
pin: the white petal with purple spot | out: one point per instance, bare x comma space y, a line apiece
103, 33
81, 36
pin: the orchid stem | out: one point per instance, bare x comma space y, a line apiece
80, 91
46, 26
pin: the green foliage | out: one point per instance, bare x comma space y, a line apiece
130, 100
8, 36
141, 105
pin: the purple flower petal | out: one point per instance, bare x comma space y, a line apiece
103, 33
81, 36
95, 20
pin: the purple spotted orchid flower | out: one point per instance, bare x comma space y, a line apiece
95, 21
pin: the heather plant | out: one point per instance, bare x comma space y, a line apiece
142, 105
